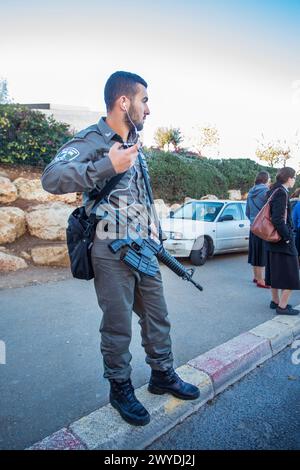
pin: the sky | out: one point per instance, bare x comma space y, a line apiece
232, 64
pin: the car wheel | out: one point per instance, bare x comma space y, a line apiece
199, 257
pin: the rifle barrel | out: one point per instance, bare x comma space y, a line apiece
196, 284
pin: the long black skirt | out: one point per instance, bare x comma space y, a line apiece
282, 271
257, 251
297, 240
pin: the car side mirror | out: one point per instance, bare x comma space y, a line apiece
225, 218
171, 214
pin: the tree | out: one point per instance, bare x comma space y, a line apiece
175, 137
165, 136
4, 96
205, 137
161, 137
273, 152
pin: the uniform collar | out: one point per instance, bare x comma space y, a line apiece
108, 133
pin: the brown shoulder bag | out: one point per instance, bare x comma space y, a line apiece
263, 227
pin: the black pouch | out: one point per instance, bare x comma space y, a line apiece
80, 234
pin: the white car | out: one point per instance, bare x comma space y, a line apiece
200, 229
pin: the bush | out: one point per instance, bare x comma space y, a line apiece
28, 136
175, 176
240, 173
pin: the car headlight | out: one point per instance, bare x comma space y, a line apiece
176, 235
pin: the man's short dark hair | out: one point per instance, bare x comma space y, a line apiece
121, 83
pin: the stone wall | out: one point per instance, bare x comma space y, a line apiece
44, 220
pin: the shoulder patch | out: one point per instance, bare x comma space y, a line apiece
67, 154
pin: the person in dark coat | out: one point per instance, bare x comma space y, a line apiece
257, 251
296, 218
282, 267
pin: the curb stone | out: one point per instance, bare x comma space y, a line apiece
104, 429
278, 334
60, 440
292, 322
230, 361
212, 372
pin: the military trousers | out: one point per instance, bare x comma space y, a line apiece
120, 291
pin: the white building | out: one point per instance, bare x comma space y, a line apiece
78, 117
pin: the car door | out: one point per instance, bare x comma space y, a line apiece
245, 230
230, 233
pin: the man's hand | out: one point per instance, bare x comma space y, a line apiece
154, 233
123, 159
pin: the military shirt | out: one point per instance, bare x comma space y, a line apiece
82, 165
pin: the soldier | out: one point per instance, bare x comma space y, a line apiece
85, 164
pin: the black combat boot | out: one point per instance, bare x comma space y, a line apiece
169, 382
123, 399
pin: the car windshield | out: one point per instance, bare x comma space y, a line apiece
204, 211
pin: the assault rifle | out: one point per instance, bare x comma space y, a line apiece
139, 255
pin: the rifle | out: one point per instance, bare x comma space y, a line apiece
139, 254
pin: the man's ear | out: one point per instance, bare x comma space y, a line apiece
123, 103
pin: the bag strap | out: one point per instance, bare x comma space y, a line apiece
271, 196
111, 183
287, 199
150, 195
104, 192
108, 187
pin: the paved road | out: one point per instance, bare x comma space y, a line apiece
53, 373
260, 412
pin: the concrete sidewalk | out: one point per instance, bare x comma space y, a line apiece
212, 371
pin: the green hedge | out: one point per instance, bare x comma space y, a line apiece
175, 176
240, 173
28, 136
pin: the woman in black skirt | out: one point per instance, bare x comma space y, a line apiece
296, 218
257, 251
282, 267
